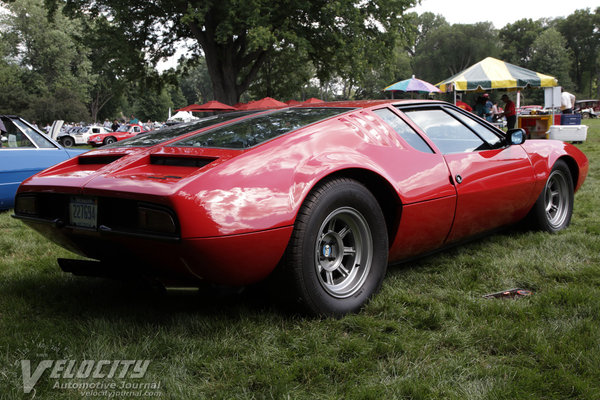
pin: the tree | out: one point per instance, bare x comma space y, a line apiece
194, 81
53, 69
550, 56
237, 37
582, 33
449, 49
517, 39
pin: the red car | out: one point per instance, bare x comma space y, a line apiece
124, 132
324, 197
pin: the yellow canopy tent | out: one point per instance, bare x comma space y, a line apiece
492, 73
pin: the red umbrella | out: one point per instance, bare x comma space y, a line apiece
245, 106
212, 105
263, 104
292, 102
313, 100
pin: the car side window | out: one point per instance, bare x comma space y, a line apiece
38, 138
404, 130
15, 139
448, 134
484, 132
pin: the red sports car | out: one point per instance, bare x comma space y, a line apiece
124, 132
325, 196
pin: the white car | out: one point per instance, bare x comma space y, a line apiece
81, 135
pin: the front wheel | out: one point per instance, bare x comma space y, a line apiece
109, 140
337, 256
554, 207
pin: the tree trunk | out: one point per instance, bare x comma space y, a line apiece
230, 67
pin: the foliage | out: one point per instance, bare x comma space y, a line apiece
550, 56
237, 37
53, 70
194, 81
448, 49
582, 32
517, 40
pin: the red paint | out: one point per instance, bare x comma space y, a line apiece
237, 212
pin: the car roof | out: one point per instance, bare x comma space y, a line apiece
360, 103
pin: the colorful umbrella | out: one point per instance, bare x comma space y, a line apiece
492, 73
292, 102
413, 85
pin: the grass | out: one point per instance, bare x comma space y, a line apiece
428, 335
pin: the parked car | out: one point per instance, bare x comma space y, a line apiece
80, 135
322, 197
528, 110
24, 151
124, 132
587, 108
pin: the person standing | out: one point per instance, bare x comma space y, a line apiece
567, 102
510, 112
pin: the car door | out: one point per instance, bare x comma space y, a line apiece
24, 152
493, 181
421, 178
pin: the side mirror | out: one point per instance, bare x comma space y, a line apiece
515, 136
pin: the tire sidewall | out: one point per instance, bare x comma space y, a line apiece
336, 195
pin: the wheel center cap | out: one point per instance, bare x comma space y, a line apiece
327, 250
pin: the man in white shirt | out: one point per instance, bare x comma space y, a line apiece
567, 102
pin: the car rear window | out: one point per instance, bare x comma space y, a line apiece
162, 135
258, 129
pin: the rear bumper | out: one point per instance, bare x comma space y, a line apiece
229, 260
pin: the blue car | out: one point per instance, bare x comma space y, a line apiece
24, 151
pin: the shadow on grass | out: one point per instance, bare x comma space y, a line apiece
65, 296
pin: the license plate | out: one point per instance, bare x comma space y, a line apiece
83, 212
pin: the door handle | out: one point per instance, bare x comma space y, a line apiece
458, 179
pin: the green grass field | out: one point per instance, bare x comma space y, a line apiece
429, 334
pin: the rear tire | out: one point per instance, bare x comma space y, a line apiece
67, 141
337, 255
554, 207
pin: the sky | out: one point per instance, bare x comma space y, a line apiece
502, 12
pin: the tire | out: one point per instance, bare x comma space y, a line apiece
109, 140
554, 207
585, 115
340, 214
67, 141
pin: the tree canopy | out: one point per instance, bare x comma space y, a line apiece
238, 37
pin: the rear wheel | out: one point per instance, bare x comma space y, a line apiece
337, 256
585, 115
67, 141
109, 140
554, 207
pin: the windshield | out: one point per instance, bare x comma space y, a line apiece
161, 135
252, 131
123, 128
